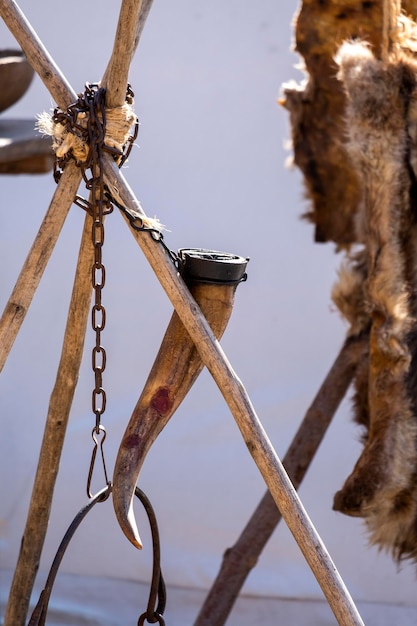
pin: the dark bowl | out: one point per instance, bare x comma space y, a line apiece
15, 77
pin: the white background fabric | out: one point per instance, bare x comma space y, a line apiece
210, 163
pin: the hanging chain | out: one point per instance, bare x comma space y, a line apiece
101, 206
86, 119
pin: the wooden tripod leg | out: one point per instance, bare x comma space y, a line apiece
236, 397
133, 14
53, 438
37, 260
242, 557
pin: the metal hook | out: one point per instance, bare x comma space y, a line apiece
95, 432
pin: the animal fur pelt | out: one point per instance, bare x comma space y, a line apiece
377, 293
349, 296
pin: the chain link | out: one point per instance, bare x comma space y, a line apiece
94, 99
86, 118
98, 312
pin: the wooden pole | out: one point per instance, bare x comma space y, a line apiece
235, 395
53, 438
128, 31
132, 18
144, 12
36, 54
37, 260
243, 556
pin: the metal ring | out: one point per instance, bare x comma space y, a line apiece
39, 614
158, 619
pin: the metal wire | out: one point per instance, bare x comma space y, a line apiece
157, 596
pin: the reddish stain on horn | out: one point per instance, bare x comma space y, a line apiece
161, 402
131, 441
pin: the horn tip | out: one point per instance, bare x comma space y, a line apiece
136, 540
126, 518
131, 532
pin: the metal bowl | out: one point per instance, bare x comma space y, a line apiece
15, 77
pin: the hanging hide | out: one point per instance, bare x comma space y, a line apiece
317, 108
349, 296
377, 293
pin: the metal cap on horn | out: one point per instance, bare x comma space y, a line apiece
210, 266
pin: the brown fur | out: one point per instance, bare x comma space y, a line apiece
382, 123
349, 296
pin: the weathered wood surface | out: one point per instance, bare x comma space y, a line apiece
53, 438
239, 560
37, 55
317, 109
132, 17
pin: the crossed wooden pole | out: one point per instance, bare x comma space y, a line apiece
282, 492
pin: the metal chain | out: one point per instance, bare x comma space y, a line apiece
94, 99
86, 118
136, 223
68, 119
100, 204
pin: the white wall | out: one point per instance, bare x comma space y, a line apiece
210, 163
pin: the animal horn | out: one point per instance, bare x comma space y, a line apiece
212, 278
